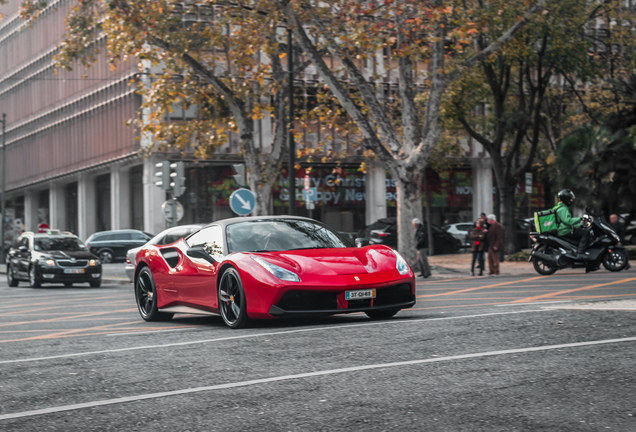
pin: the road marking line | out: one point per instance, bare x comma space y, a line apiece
93, 314
552, 295
268, 334
70, 332
480, 287
145, 332
534, 303
352, 369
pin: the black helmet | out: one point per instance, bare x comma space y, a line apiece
566, 196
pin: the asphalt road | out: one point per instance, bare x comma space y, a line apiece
475, 354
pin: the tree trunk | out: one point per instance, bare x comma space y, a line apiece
508, 217
263, 195
429, 232
409, 195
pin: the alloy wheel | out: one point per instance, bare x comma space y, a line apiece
232, 302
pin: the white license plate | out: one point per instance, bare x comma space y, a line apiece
74, 271
360, 294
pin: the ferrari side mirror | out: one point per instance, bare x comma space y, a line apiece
199, 252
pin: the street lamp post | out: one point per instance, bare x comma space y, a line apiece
4, 123
291, 172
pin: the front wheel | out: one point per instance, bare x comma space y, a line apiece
146, 297
106, 256
11, 279
380, 315
615, 260
232, 302
34, 278
541, 266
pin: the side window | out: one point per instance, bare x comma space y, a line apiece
121, 236
173, 236
211, 237
139, 236
24, 242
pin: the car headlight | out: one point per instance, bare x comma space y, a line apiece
47, 262
94, 263
400, 264
278, 271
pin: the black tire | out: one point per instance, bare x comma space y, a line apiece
232, 302
11, 280
146, 297
106, 256
34, 277
616, 260
380, 315
96, 284
541, 266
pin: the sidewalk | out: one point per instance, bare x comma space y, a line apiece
458, 265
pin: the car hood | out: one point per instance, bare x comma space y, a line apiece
67, 255
334, 262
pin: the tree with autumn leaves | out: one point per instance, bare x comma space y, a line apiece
425, 45
222, 64
524, 101
225, 62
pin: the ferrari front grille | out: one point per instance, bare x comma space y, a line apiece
401, 293
308, 300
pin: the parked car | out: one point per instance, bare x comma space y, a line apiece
461, 231
266, 267
630, 228
523, 228
52, 258
384, 231
111, 246
165, 237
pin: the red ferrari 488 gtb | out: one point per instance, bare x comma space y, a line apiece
268, 267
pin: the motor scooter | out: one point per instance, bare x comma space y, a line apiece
551, 253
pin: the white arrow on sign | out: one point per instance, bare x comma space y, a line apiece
244, 203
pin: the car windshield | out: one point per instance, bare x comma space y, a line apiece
67, 244
279, 235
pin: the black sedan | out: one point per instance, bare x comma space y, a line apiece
52, 258
384, 231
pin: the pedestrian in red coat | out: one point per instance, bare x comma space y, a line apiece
478, 237
495, 243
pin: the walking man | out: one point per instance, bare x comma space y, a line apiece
421, 243
494, 237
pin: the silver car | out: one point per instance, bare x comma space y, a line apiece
165, 237
460, 231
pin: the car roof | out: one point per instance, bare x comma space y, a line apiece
46, 235
230, 221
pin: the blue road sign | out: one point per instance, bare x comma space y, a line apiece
242, 201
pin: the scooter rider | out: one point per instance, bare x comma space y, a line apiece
570, 227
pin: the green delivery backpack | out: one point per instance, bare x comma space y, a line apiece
546, 221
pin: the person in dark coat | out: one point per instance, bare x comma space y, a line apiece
494, 239
620, 231
478, 238
421, 244
618, 227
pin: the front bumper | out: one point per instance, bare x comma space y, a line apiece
312, 302
56, 274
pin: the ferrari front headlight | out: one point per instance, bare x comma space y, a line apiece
278, 271
400, 264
